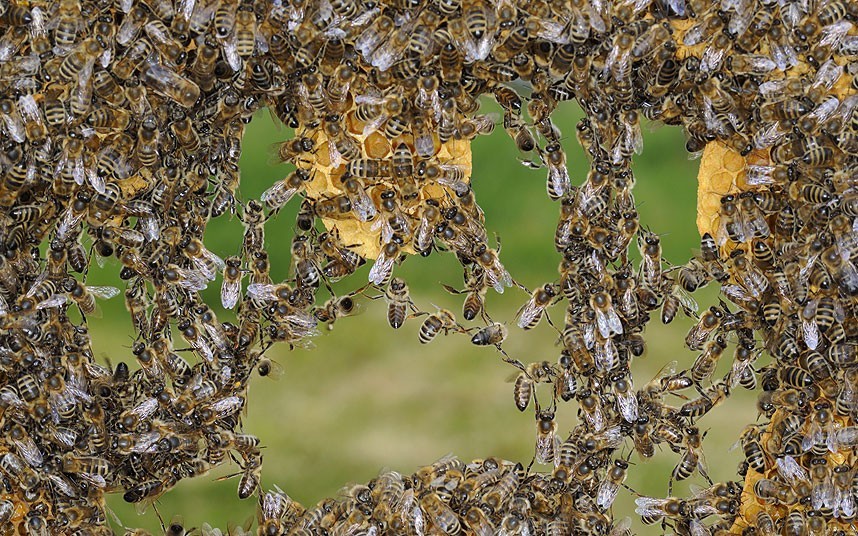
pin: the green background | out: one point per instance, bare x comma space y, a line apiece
368, 397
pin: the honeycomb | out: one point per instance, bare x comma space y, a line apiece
122, 126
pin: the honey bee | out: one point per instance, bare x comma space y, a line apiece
652, 509
709, 321
164, 80
529, 315
84, 295
443, 320
650, 246
706, 362
709, 398
383, 267
493, 334
692, 459
607, 320
496, 275
438, 513
558, 184
609, 487
336, 307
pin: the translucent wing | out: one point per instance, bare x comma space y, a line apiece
104, 293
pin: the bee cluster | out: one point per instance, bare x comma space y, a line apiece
121, 130
481, 497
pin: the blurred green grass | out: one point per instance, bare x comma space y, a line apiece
368, 397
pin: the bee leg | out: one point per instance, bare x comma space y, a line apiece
532, 460
160, 519
550, 323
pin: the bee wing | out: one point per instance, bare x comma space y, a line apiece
546, 447
195, 280
95, 180
145, 409
737, 370
498, 277
227, 406
262, 291
64, 436
278, 194
688, 303
61, 484
103, 292
697, 528
54, 301
628, 405
229, 293
623, 527
363, 206
559, 183
95, 480
649, 506
606, 494
810, 333
146, 443
217, 336
381, 269
602, 322
528, 313
791, 471
844, 503
29, 451
614, 322
605, 355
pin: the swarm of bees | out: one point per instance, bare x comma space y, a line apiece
120, 137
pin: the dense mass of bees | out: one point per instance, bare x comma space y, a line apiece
121, 131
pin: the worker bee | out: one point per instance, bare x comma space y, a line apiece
609, 487
336, 307
558, 183
709, 321
652, 509
443, 320
493, 334
231, 287
496, 275
531, 313
607, 320
547, 442
164, 80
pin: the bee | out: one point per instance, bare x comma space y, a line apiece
443, 320
493, 334
592, 409
520, 133
547, 442
26, 447
441, 515
650, 248
692, 459
186, 134
710, 398
652, 509
558, 183
166, 81
382, 269
607, 320
627, 402
84, 295
398, 302
709, 321
529, 315
706, 362
17, 470
609, 487
336, 307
